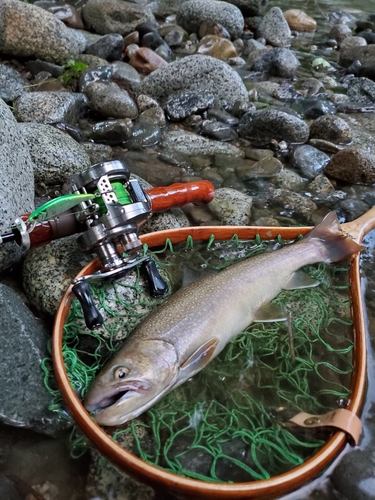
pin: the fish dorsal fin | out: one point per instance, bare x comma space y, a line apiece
268, 313
298, 280
199, 359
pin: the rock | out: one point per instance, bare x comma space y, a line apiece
262, 127
250, 7
351, 42
144, 135
196, 73
339, 32
309, 160
24, 400
274, 28
326, 146
111, 132
218, 130
34, 27
192, 13
212, 28
16, 181
109, 47
267, 167
110, 100
12, 84
220, 48
191, 144
100, 74
294, 203
331, 128
50, 107
288, 179
115, 16
277, 62
258, 154
146, 60
153, 116
220, 114
299, 21
362, 90
125, 75
351, 208
356, 166
144, 102
365, 55
188, 103
320, 185
56, 155
97, 152
231, 207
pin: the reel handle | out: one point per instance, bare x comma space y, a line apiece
93, 318
157, 285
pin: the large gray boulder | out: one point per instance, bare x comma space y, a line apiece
16, 181
25, 28
197, 73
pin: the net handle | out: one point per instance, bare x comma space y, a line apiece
358, 228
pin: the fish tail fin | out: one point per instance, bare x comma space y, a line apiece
338, 244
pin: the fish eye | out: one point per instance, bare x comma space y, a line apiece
121, 372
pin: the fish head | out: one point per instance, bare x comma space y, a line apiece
138, 376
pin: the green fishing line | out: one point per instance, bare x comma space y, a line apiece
226, 423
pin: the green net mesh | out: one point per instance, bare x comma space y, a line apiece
230, 421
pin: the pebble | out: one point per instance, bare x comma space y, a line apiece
298, 20
274, 28
192, 13
56, 155
218, 130
309, 160
231, 207
196, 73
266, 167
125, 75
365, 55
320, 185
220, 114
339, 32
262, 127
12, 84
111, 101
356, 166
362, 90
288, 179
144, 135
352, 41
192, 144
220, 48
331, 128
153, 116
279, 62
115, 16
213, 28
188, 103
111, 132
109, 47
294, 203
146, 60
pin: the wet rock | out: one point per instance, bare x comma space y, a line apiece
231, 207
367, 71
108, 47
146, 60
125, 75
288, 179
351, 208
218, 130
267, 167
362, 90
34, 27
48, 271
212, 28
91, 61
12, 84
277, 62
69, 15
145, 102
258, 154
321, 185
327, 146
313, 108
368, 36
192, 13
97, 152
16, 181
175, 37
309, 160
192, 144
115, 16
150, 38
331, 128
111, 132
196, 73
339, 32
299, 21
91, 75
221, 115
352, 41
153, 116
365, 55
110, 100
330, 200
356, 166
220, 48
250, 7
144, 135
188, 103
294, 203
56, 155
24, 400
50, 107
274, 28
262, 127
37, 66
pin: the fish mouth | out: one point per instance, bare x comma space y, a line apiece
119, 394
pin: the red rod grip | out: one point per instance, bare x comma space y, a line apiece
180, 194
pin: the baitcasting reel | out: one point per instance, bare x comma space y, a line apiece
112, 219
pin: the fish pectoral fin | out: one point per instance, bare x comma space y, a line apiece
269, 313
299, 279
199, 359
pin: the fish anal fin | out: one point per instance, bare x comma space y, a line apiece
298, 280
269, 313
199, 359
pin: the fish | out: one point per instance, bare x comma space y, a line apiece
193, 325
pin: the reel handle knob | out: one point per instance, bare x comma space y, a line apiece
93, 318
157, 285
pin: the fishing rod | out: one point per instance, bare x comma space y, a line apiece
107, 208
